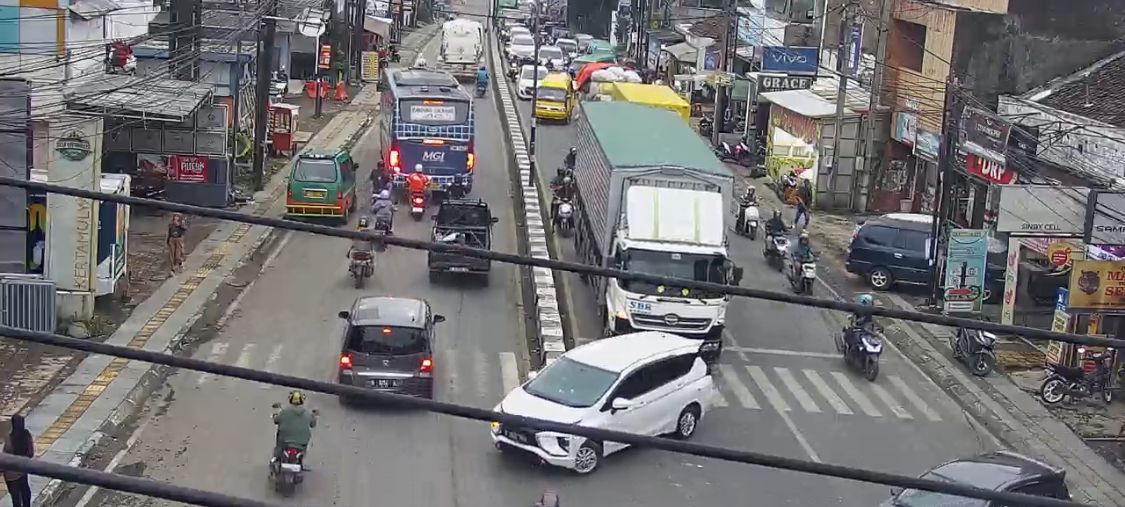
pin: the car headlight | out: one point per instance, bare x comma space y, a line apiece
555, 444
495, 427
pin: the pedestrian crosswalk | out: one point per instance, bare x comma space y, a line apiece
819, 392
475, 377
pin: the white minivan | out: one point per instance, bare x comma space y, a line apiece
648, 383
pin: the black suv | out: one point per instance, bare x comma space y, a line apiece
388, 345
999, 471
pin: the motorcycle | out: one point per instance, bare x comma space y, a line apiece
564, 217
286, 471
802, 275
748, 217
417, 205
864, 356
706, 126
1065, 381
975, 348
278, 89
777, 249
361, 267
482, 89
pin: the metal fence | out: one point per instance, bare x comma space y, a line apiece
27, 302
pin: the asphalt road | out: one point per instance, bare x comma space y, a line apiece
788, 392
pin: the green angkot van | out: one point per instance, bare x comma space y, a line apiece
322, 184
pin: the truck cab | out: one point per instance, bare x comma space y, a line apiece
677, 233
322, 184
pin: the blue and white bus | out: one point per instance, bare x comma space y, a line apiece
427, 119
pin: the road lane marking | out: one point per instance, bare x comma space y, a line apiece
482, 374
510, 371
730, 379
114, 463
861, 399
827, 393
217, 351
799, 392
891, 402
448, 367
244, 358
771, 392
733, 345
783, 352
271, 363
914, 398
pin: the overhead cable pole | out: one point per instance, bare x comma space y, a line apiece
946, 153
872, 160
262, 92
843, 71
184, 44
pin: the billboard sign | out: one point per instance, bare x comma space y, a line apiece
780, 83
1107, 225
965, 262
1097, 286
1042, 210
796, 61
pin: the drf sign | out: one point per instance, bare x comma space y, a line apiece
433, 156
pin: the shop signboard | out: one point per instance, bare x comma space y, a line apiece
926, 144
1097, 286
989, 170
188, 168
324, 61
1042, 210
1059, 324
985, 135
796, 61
906, 128
965, 261
369, 66
1107, 222
779, 83
179, 141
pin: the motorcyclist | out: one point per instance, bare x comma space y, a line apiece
776, 225
802, 253
482, 77
749, 198
383, 210
294, 426
564, 191
571, 158
362, 245
864, 322
417, 182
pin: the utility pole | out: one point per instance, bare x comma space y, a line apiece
949, 131
722, 102
186, 23
843, 70
262, 92
871, 160
360, 18
534, 100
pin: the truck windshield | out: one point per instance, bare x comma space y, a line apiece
315, 171
696, 267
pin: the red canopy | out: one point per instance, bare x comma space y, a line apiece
587, 71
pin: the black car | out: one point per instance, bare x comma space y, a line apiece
998, 471
894, 248
388, 345
463, 222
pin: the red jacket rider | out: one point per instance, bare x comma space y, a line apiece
417, 182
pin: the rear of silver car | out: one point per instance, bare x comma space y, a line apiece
390, 359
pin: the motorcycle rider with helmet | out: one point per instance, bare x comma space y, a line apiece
563, 186
859, 322
362, 245
417, 182
383, 210
749, 198
294, 426
775, 226
802, 253
482, 77
571, 158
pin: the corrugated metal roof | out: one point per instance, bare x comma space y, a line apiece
683, 52
145, 97
89, 9
634, 135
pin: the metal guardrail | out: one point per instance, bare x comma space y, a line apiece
28, 302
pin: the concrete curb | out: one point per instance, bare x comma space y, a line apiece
545, 312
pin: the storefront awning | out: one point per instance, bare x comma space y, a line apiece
683, 52
804, 103
377, 26
139, 97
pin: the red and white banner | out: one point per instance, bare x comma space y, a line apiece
989, 170
189, 169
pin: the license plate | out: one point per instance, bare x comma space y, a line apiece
291, 467
459, 270
435, 185
383, 383
316, 194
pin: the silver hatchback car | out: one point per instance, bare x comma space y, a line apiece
388, 346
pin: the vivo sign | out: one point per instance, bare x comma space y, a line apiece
796, 61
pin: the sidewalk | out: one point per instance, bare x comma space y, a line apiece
997, 402
103, 392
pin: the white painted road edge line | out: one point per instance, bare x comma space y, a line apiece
113, 463
546, 309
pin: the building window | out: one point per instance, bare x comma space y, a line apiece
10, 29
908, 45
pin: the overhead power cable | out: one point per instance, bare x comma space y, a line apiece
415, 244
463, 411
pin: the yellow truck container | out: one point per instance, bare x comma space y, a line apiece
658, 96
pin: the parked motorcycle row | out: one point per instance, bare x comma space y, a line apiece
1077, 383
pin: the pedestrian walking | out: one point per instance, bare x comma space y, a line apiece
19, 443
802, 211
176, 231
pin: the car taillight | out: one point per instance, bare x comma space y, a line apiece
339, 195
289, 193
345, 362
393, 160
472, 162
427, 366
417, 200
292, 453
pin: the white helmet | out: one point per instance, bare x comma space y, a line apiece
420, 63
385, 194
417, 168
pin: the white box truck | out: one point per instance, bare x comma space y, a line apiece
462, 47
652, 198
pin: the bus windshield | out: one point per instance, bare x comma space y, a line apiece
434, 112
